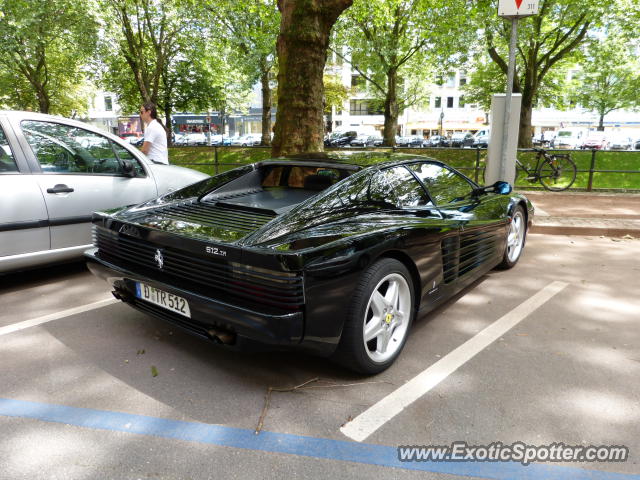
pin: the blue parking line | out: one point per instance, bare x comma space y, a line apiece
323, 448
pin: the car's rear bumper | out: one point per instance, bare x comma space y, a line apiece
210, 318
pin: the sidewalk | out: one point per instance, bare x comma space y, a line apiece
582, 213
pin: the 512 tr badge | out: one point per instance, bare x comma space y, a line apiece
216, 251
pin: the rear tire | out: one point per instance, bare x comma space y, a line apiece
379, 318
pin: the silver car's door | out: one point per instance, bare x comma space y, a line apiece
80, 173
23, 214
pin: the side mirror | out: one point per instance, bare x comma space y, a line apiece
503, 188
127, 168
500, 187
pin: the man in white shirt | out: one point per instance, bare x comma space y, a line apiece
155, 137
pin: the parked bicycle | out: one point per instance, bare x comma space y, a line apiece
555, 171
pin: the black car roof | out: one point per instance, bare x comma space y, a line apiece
351, 159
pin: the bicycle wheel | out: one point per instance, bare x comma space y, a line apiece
557, 173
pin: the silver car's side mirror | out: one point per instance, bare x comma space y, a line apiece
127, 168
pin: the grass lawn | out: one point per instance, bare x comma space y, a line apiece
464, 159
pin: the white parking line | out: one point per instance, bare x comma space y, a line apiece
378, 414
56, 316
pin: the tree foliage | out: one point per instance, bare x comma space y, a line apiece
250, 28
546, 42
158, 52
44, 48
335, 93
609, 78
394, 45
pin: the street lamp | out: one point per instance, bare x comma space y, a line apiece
441, 122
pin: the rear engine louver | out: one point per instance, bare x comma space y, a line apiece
213, 215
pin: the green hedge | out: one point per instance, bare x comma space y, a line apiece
464, 159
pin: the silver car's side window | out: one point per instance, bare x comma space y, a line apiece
7, 162
71, 150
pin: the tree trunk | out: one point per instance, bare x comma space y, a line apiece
525, 129
601, 124
266, 108
391, 110
44, 103
302, 52
168, 113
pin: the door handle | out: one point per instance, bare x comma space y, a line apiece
60, 188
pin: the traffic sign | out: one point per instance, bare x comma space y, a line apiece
517, 8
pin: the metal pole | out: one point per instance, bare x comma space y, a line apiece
592, 167
507, 101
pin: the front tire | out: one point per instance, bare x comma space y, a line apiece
515, 239
379, 318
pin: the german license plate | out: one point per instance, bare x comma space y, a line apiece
163, 299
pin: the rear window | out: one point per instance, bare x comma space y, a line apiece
295, 176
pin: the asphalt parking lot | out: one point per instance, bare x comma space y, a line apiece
111, 393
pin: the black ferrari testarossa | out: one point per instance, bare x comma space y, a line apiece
334, 254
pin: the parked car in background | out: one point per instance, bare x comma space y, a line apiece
327, 253
195, 139
435, 141
620, 142
412, 141
54, 173
481, 138
461, 139
637, 145
570, 138
595, 141
249, 140
178, 138
481, 141
341, 139
365, 141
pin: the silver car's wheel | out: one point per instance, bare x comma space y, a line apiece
379, 318
386, 322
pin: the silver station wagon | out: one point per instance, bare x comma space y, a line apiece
54, 173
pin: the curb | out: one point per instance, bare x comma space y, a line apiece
608, 227
585, 231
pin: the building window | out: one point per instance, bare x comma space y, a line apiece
449, 102
357, 81
108, 104
438, 102
364, 107
461, 102
451, 80
338, 123
439, 80
463, 80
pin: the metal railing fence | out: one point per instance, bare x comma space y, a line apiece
598, 170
